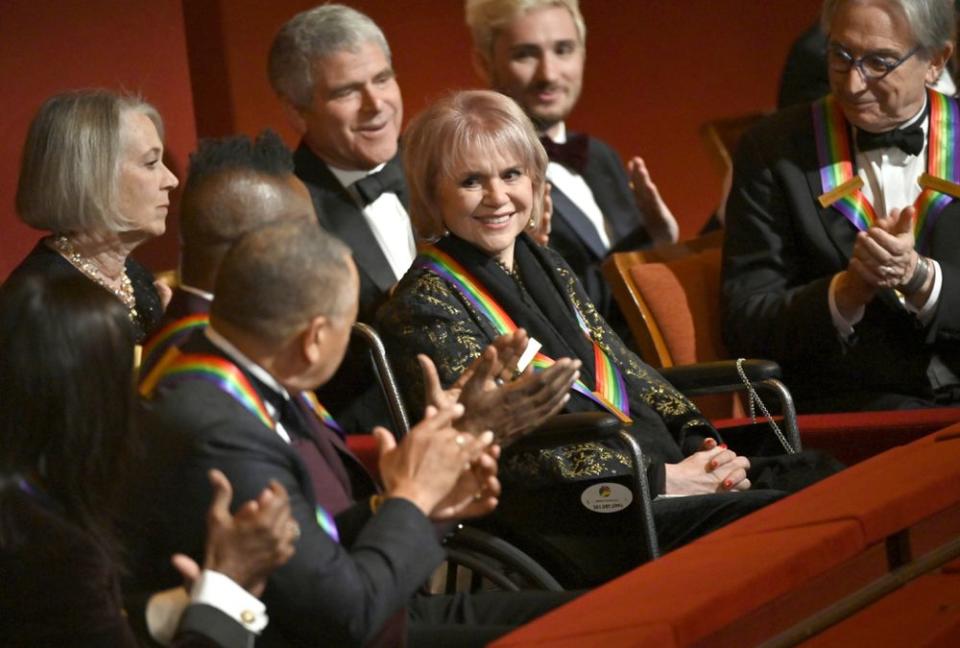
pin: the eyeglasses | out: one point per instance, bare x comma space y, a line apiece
872, 67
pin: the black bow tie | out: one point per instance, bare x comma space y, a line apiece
291, 417
571, 154
909, 140
389, 179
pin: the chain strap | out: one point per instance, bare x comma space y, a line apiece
756, 400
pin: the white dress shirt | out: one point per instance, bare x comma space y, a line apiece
203, 294
576, 189
387, 219
890, 181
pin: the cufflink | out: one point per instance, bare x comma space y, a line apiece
247, 617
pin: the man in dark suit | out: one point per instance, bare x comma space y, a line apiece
331, 69
286, 298
235, 185
824, 270
534, 52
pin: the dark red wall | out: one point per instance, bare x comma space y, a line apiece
656, 71
48, 46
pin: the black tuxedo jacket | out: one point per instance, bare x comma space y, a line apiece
780, 252
183, 304
329, 593
352, 395
575, 237
340, 215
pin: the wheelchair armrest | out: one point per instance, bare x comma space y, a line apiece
564, 429
720, 376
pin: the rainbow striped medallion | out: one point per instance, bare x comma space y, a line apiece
610, 392
841, 185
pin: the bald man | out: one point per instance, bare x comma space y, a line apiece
235, 185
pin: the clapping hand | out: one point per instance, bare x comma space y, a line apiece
248, 545
508, 407
660, 221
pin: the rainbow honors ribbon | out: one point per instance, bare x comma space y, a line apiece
169, 335
610, 392
322, 413
835, 157
230, 380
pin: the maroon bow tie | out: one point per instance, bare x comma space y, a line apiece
571, 154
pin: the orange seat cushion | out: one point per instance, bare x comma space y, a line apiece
690, 325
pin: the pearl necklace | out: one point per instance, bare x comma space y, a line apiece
125, 290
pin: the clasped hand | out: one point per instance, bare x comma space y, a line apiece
884, 255
712, 469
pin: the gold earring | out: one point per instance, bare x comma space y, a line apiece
532, 224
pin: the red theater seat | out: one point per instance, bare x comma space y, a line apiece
365, 447
891, 491
780, 566
697, 590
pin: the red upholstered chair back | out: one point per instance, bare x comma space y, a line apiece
682, 297
671, 299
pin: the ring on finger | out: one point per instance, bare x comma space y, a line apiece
460, 440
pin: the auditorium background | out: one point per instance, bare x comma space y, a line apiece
657, 70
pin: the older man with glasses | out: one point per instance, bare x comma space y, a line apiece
842, 253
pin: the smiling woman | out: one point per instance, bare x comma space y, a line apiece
476, 171
93, 175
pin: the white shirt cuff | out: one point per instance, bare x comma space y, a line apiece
165, 608
219, 591
843, 325
925, 312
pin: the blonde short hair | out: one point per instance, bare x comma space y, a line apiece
486, 17
71, 162
438, 139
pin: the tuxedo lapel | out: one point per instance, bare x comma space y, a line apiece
328, 441
340, 215
605, 177
839, 230
581, 225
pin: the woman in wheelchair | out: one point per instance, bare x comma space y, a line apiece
476, 171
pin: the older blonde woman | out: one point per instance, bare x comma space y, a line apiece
476, 173
93, 176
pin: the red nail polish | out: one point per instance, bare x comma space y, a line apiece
727, 484
723, 445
